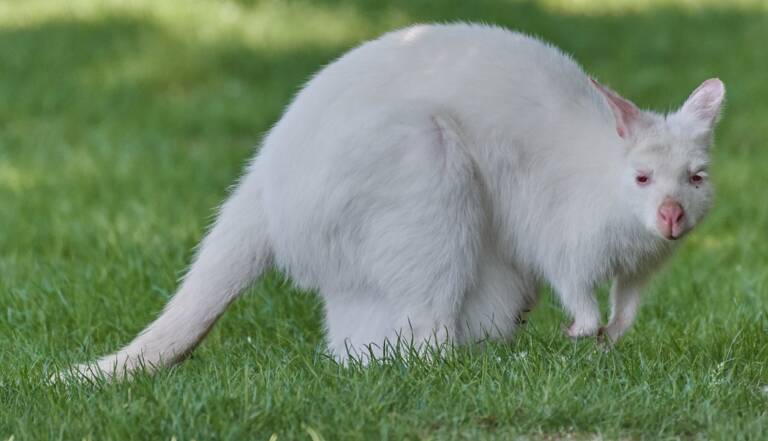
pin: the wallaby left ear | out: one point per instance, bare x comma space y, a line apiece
702, 109
703, 106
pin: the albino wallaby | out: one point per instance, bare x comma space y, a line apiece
426, 181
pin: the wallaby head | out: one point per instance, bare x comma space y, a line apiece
664, 174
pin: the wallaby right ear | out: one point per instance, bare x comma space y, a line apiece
624, 110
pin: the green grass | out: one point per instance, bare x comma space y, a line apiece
123, 123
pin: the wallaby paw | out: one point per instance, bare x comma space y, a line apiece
607, 336
577, 332
522, 317
604, 341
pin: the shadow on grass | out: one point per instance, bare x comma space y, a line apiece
130, 74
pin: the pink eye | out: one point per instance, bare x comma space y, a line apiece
642, 179
696, 179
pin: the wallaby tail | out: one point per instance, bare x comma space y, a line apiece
235, 252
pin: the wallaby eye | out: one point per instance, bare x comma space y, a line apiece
696, 179
642, 180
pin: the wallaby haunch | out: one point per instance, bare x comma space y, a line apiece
426, 181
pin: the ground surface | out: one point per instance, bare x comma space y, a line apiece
122, 124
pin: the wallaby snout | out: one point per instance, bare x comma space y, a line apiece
671, 219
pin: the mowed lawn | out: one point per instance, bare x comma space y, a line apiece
122, 124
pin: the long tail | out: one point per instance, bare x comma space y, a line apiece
234, 253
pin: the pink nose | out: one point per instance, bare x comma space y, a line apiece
670, 219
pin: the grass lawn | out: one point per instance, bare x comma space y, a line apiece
122, 123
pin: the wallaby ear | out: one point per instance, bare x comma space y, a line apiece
702, 108
624, 110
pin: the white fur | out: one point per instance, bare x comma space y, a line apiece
425, 182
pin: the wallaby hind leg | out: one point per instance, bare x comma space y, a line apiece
418, 256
